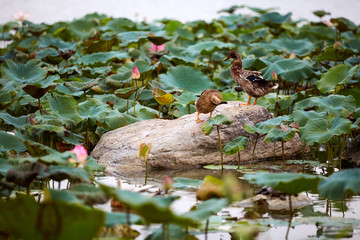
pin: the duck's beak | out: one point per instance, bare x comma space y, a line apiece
227, 57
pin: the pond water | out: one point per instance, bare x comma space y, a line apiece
323, 219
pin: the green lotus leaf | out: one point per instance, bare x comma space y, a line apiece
153, 210
17, 122
24, 174
255, 64
65, 107
182, 60
274, 17
321, 131
10, 54
49, 55
217, 120
101, 57
120, 218
300, 47
146, 70
82, 28
61, 196
93, 72
176, 232
333, 104
301, 117
118, 25
90, 194
39, 129
274, 121
290, 183
186, 183
338, 184
93, 166
231, 9
276, 134
321, 13
207, 128
204, 210
4, 167
343, 24
354, 92
125, 92
59, 173
23, 73
99, 45
207, 48
159, 37
337, 75
259, 129
292, 70
261, 10
114, 119
185, 98
10, 142
37, 92
47, 41
92, 108
162, 97
236, 145
71, 221
187, 78
133, 37
332, 54
55, 157
143, 112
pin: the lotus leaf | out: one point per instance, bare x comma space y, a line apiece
332, 54
10, 142
17, 122
82, 28
133, 37
321, 131
59, 173
236, 145
337, 75
47, 41
343, 24
162, 97
301, 117
186, 183
217, 120
24, 174
101, 57
89, 194
333, 103
187, 78
292, 70
61, 196
23, 73
207, 48
49, 55
120, 218
185, 98
99, 45
92, 108
274, 18
120, 25
276, 134
290, 183
24, 218
4, 167
152, 209
300, 47
204, 210
125, 92
338, 184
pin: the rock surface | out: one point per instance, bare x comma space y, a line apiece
180, 143
351, 155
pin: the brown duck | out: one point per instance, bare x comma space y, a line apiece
250, 81
207, 102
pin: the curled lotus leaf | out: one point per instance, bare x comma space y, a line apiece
276, 134
24, 174
162, 97
47, 41
101, 57
59, 173
338, 184
236, 145
301, 117
90, 194
125, 92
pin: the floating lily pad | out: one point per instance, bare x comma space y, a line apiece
186, 183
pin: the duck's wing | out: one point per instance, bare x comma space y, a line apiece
255, 77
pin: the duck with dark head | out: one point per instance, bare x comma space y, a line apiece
207, 102
252, 82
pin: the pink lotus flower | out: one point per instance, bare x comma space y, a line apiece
292, 55
81, 156
274, 76
156, 48
135, 73
167, 183
21, 16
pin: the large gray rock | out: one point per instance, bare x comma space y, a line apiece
180, 143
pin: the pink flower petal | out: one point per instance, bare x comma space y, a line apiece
160, 47
81, 152
274, 76
135, 73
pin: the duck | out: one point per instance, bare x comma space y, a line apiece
208, 100
252, 82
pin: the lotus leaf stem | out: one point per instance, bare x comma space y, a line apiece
206, 229
39, 104
221, 151
146, 171
253, 152
290, 217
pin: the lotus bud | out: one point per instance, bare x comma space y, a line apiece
167, 183
338, 45
81, 156
294, 125
274, 76
135, 73
32, 121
